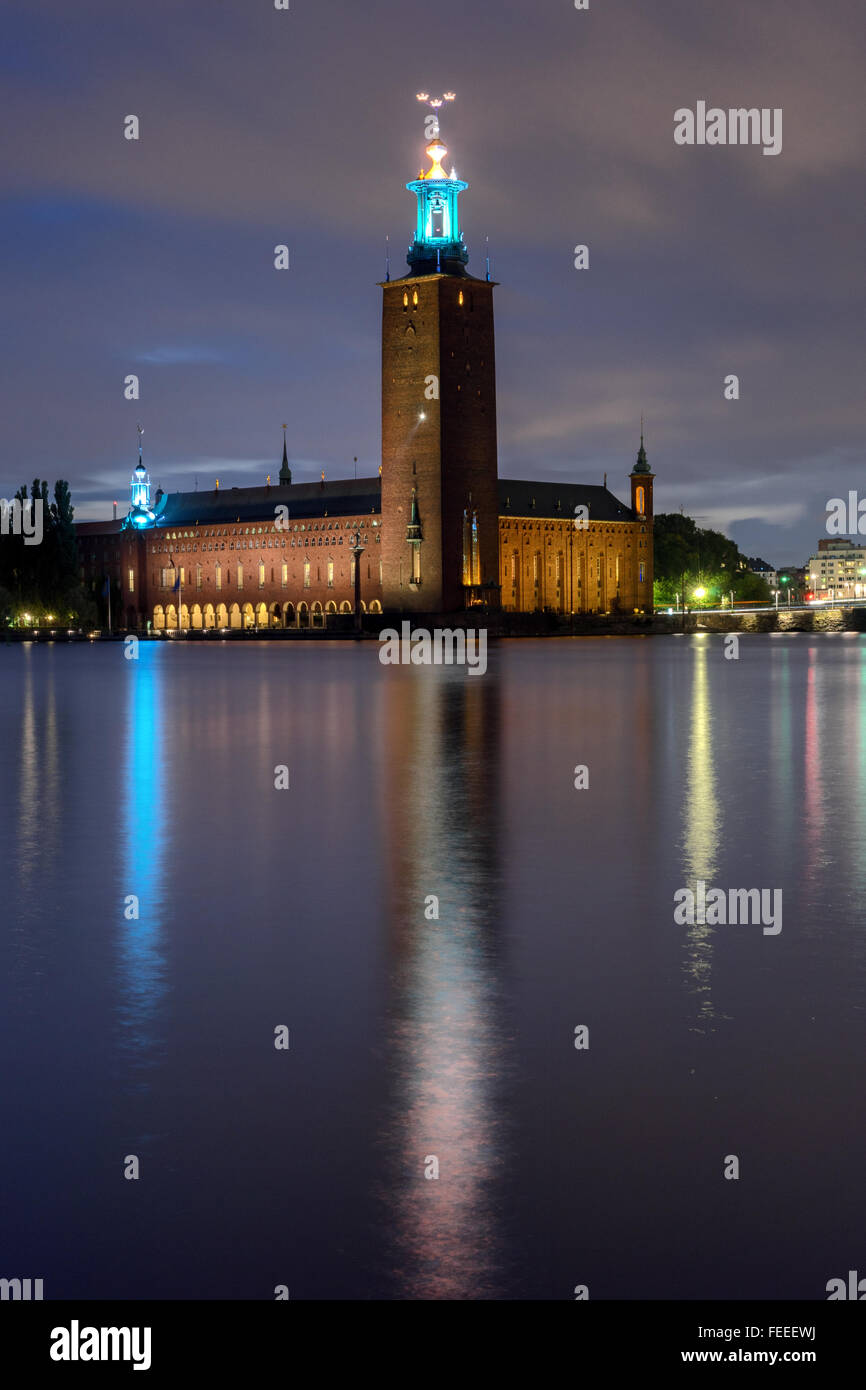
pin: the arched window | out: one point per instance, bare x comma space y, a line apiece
640, 500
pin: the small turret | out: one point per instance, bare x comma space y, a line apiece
642, 483
285, 470
140, 513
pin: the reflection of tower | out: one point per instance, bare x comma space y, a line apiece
702, 826
438, 411
447, 1046
141, 961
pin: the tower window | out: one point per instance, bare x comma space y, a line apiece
460, 299
405, 299
640, 500
415, 298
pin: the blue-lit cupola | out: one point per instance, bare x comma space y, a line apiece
438, 246
140, 512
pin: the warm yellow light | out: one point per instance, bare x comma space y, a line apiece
700, 593
435, 151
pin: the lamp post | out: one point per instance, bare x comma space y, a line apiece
357, 551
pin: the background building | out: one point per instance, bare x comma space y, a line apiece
837, 571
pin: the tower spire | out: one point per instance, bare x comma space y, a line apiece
641, 466
438, 246
285, 470
140, 512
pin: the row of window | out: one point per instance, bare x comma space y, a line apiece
275, 526
252, 545
613, 570
518, 524
168, 576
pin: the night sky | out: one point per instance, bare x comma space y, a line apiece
260, 127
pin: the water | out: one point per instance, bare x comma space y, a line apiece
411, 1037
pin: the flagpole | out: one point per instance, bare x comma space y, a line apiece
109, 605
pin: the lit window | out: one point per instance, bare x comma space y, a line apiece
330, 574
240, 576
131, 581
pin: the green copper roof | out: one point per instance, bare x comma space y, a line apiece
641, 466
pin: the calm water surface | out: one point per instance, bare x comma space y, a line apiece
413, 1037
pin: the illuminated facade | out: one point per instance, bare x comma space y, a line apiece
441, 532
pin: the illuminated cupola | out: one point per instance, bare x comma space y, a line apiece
438, 246
140, 512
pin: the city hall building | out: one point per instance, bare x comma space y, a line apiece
436, 532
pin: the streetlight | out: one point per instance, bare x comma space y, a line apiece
357, 551
700, 592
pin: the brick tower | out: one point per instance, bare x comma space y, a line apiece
440, 507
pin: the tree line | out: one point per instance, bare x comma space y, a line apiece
687, 558
39, 564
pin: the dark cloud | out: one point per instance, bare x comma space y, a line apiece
261, 127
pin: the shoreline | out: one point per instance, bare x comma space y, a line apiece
534, 625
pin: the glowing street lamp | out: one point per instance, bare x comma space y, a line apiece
700, 592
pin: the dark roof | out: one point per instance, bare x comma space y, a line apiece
348, 497
559, 500
98, 528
